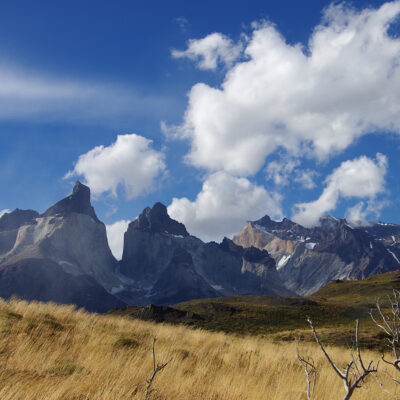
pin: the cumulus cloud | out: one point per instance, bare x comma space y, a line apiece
314, 100
115, 236
5, 211
223, 205
358, 178
211, 51
129, 161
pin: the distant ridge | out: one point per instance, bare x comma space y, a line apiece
308, 258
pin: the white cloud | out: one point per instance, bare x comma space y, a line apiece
223, 205
359, 178
115, 235
280, 171
5, 211
358, 214
211, 51
306, 178
129, 161
29, 94
183, 23
311, 101
286, 170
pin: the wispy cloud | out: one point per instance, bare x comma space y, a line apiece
5, 211
26, 94
210, 51
183, 23
359, 178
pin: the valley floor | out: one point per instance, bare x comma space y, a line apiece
50, 352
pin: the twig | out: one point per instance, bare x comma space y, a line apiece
310, 371
155, 370
390, 325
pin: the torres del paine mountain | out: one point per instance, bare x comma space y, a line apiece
63, 256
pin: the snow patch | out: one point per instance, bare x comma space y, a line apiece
262, 229
310, 245
394, 256
172, 235
62, 263
283, 261
370, 245
217, 287
394, 239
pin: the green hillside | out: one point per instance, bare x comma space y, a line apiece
333, 310
363, 292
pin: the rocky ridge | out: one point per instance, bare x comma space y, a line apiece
163, 264
309, 258
63, 255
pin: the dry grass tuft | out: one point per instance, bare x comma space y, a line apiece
50, 352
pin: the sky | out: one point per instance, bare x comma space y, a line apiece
222, 111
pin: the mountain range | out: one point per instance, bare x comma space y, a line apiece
63, 256
309, 258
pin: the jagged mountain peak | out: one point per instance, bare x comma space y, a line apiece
17, 218
269, 223
327, 222
81, 190
156, 219
78, 202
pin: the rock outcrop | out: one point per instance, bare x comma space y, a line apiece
308, 258
67, 243
163, 264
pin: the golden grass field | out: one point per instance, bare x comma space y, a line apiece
50, 352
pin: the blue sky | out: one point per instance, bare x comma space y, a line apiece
224, 112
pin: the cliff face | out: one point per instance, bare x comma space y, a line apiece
153, 245
10, 224
63, 255
307, 259
67, 244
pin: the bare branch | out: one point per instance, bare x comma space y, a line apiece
351, 370
310, 371
336, 369
156, 369
390, 325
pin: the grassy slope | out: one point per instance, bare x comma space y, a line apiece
363, 292
50, 352
334, 308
